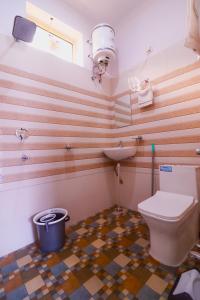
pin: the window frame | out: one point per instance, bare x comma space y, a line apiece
60, 37
63, 31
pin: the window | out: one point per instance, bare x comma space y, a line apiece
53, 44
55, 37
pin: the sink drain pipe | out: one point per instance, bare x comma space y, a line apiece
117, 173
152, 168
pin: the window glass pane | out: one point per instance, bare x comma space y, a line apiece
48, 42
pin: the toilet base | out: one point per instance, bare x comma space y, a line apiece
169, 264
171, 242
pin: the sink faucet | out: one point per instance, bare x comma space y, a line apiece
120, 144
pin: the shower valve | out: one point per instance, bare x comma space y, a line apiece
68, 147
25, 157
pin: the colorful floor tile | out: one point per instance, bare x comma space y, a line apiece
104, 257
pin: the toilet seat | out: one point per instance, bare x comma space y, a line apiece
167, 206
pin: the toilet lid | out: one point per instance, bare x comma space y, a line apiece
165, 205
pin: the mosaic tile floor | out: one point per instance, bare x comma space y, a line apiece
105, 257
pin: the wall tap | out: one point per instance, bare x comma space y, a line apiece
198, 151
138, 138
68, 147
120, 144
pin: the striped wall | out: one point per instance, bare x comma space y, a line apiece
172, 123
56, 114
122, 110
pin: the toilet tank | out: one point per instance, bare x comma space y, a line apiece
180, 179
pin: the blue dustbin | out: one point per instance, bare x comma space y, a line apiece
51, 228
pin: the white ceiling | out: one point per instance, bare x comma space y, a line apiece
110, 11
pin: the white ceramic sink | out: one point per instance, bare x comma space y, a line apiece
119, 153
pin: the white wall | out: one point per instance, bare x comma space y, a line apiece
136, 186
78, 195
59, 9
167, 60
157, 23
22, 55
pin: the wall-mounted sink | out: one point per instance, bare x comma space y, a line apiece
120, 153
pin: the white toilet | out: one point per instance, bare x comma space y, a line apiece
172, 214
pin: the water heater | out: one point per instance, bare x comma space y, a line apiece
103, 43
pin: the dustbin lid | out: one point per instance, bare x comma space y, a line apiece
47, 218
39, 219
